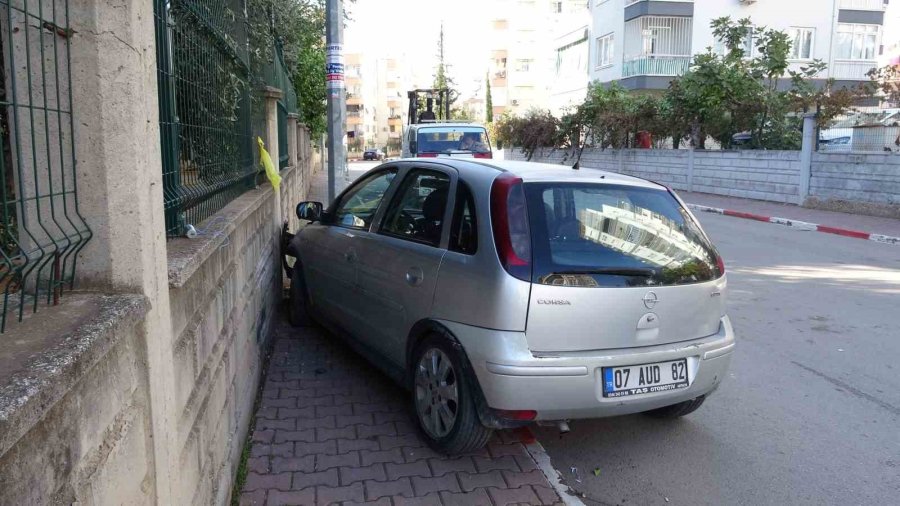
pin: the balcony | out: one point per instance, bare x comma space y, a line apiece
853, 70
656, 65
862, 5
657, 46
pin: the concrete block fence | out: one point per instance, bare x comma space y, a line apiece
866, 183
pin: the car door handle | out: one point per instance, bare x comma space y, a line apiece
414, 276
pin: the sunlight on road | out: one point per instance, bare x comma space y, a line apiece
855, 276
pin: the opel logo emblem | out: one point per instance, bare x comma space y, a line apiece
650, 300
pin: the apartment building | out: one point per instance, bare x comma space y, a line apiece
376, 101
570, 55
518, 64
643, 44
354, 73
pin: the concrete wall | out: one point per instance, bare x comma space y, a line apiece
764, 175
864, 183
861, 183
75, 424
149, 406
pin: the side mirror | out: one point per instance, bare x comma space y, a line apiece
413, 147
311, 211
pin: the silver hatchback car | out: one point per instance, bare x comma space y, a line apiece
505, 293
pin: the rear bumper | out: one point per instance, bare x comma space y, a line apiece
568, 385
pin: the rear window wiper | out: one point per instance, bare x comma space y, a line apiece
611, 271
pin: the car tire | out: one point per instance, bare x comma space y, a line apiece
677, 410
298, 302
431, 406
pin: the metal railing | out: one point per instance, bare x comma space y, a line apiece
869, 130
41, 229
204, 108
853, 69
209, 117
656, 66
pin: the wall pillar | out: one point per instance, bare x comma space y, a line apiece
119, 171
806, 151
690, 170
272, 95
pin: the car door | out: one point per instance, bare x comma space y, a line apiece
399, 261
330, 261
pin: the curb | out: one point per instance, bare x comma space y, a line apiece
800, 225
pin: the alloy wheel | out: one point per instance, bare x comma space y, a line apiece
437, 393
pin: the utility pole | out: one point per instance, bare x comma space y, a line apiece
334, 62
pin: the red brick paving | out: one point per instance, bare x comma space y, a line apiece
331, 429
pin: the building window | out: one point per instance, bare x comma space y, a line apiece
605, 50
556, 7
801, 43
524, 65
857, 42
393, 129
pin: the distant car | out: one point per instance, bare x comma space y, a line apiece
446, 140
373, 154
505, 293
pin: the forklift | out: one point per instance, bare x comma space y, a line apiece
426, 101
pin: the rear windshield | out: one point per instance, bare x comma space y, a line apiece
472, 139
596, 235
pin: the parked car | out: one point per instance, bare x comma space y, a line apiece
505, 293
373, 154
445, 140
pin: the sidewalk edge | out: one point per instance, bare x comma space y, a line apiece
800, 225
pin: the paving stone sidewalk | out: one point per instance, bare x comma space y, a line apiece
331, 429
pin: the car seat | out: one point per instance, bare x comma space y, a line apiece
433, 211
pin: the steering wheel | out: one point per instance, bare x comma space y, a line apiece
407, 221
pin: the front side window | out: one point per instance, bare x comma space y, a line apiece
857, 42
417, 211
605, 50
614, 236
357, 207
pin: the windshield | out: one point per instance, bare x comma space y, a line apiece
471, 139
606, 235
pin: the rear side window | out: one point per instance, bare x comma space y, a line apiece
464, 234
597, 235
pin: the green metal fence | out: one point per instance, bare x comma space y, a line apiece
205, 107
209, 113
280, 79
41, 229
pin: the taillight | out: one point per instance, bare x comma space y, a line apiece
427, 155
720, 263
509, 218
484, 155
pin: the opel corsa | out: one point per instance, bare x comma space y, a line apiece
505, 293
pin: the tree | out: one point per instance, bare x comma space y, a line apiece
488, 101
300, 26
442, 80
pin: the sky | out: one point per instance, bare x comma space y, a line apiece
408, 30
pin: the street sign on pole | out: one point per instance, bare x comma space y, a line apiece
334, 83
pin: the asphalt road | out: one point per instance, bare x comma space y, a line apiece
811, 412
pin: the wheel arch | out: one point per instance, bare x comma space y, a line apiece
426, 327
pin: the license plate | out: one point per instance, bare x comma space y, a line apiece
645, 378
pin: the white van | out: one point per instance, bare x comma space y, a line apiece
437, 140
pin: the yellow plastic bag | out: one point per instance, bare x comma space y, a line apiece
267, 164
